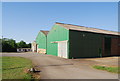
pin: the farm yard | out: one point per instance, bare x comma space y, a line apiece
52, 67
60, 40
110, 64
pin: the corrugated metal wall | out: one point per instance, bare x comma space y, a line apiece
119, 45
81, 44
107, 46
41, 40
84, 44
57, 33
115, 46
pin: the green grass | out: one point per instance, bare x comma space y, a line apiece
109, 69
14, 68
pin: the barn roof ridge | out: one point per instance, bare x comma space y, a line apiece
44, 32
88, 29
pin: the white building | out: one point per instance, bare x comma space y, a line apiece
34, 46
24, 49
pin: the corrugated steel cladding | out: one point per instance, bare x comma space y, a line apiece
41, 40
87, 44
115, 46
57, 33
82, 43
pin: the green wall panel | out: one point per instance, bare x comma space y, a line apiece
41, 40
84, 44
57, 33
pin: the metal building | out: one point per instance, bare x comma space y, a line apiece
41, 41
73, 41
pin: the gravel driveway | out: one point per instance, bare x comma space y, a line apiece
53, 67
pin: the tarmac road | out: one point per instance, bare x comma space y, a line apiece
53, 67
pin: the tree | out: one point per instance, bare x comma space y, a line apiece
21, 44
29, 45
8, 45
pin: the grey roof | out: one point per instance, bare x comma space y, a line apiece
88, 29
44, 32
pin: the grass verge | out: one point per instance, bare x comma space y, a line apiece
16, 68
108, 68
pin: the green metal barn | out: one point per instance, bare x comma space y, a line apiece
73, 41
41, 41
